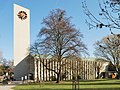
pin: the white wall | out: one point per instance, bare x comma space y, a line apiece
21, 34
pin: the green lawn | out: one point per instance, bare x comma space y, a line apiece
84, 85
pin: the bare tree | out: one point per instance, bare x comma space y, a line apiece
108, 17
109, 14
109, 48
100, 66
58, 39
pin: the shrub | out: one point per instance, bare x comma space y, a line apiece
78, 77
53, 78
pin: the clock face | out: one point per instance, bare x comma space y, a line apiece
22, 15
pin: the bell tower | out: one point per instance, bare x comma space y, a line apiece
21, 33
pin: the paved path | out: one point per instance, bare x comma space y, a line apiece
6, 87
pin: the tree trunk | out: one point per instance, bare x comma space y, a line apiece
59, 72
58, 78
98, 75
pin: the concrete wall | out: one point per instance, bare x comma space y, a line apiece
25, 67
21, 34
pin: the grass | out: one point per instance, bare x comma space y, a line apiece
100, 85
84, 85
46, 86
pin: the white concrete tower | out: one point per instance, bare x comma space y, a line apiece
21, 33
